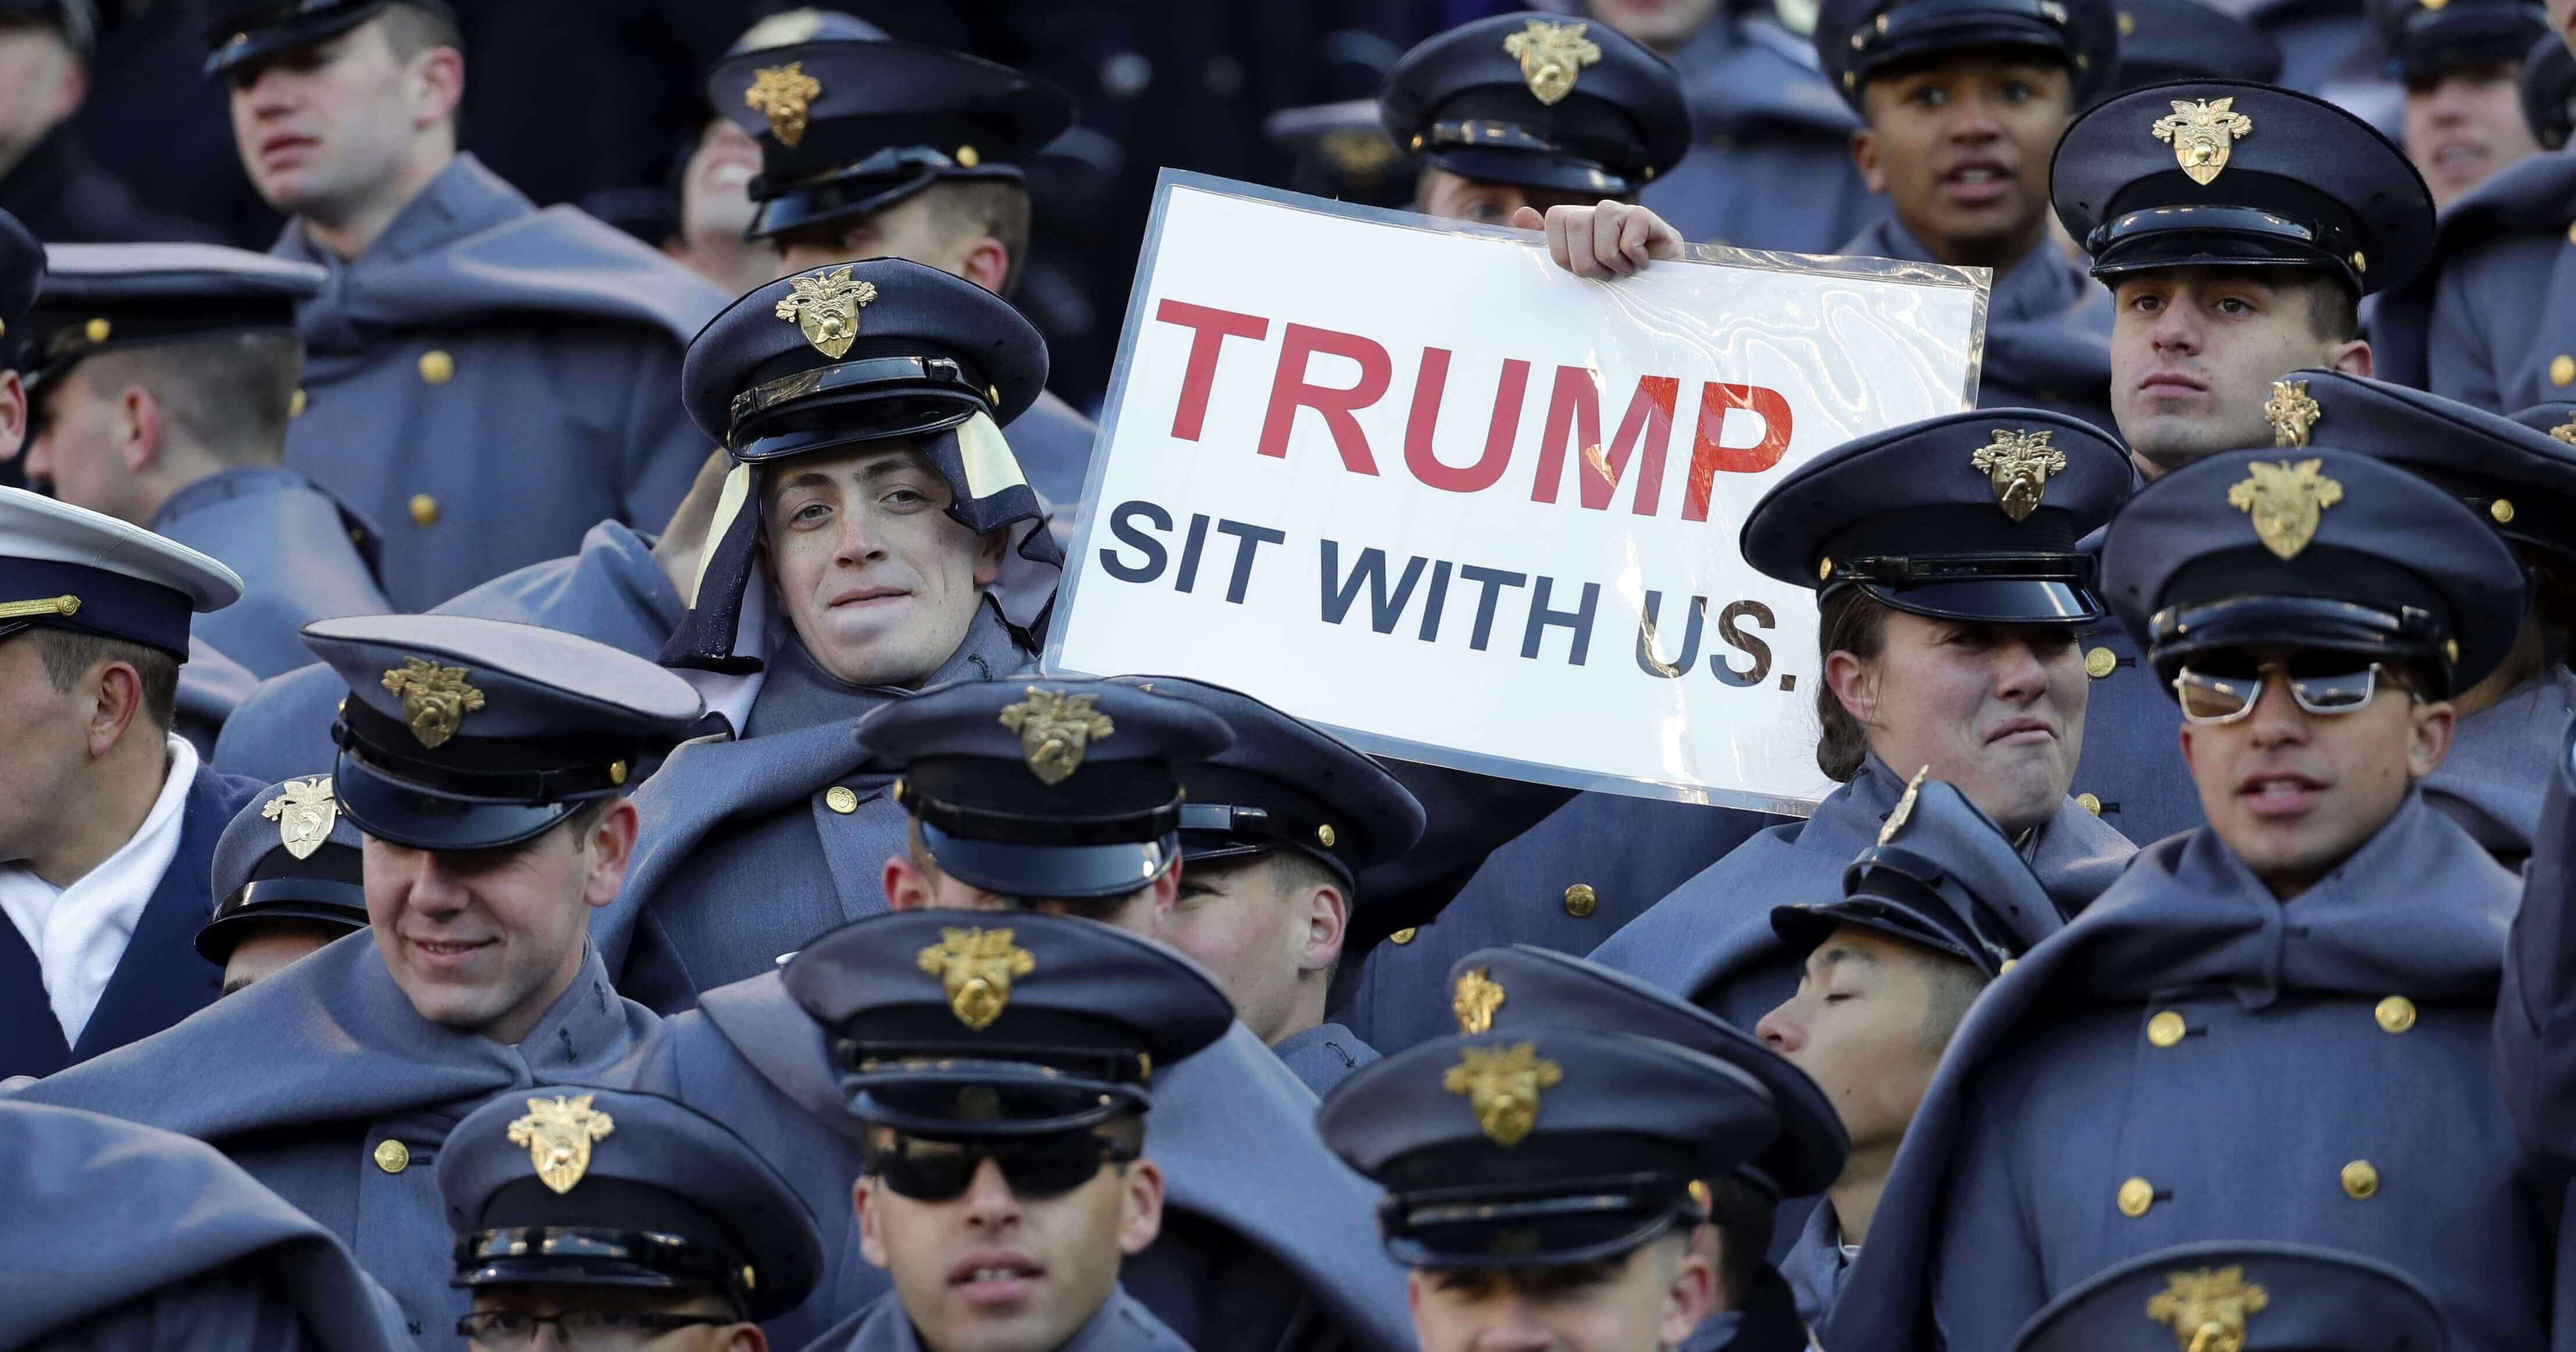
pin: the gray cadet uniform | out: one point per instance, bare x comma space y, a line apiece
1275, 1257
302, 555
753, 845
2243, 1294
2304, 186
2113, 1069
126, 1239
323, 1080
2166, 40
1770, 163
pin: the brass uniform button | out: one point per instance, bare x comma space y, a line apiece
2396, 1014
392, 1156
2360, 1181
967, 158
617, 772
2100, 662
1402, 936
295, 406
1581, 900
2502, 510
1824, 570
2571, 234
97, 330
436, 367
2008, 965
1325, 835
2089, 803
2562, 369
2166, 1029
2136, 1196
424, 510
840, 799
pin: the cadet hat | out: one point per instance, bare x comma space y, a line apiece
1285, 784
238, 31
1518, 988
2241, 1294
2427, 39
104, 297
2512, 472
1053, 789
66, 567
1967, 516
787, 28
945, 1024
2549, 90
1942, 876
847, 128
2223, 173
836, 356
76, 20
1341, 151
22, 271
289, 854
1542, 1147
471, 734
601, 1187
1540, 103
2162, 41
2317, 549
1856, 40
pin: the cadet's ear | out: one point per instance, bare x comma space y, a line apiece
1140, 1209
1690, 1298
2429, 740
612, 844
907, 884
13, 414
140, 424
1328, 922
1864, 153
1855, 683
988, 555
872, 1245
987, 264
2353, 358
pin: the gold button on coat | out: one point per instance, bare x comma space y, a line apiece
2571, 234
436, 367
2136, 1196
2166, 1029
424, 510
1402, 936
2360, 1181
2562, 369
2396, 1014
840, 799
392, 1156
295, 406
1580, 900
2100, 662
2502, 510
2089, 803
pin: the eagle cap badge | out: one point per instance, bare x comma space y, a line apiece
1502, 1087
784, 95
558, 1133
1552, 57
305, 813
1055, 729
435, 699
975, 967
2565, 431
2292, 413
2285, 501
826, 309
1474, 1000
2018, 464
2207, 1309
2202, 133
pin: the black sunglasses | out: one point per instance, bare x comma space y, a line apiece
928, 1170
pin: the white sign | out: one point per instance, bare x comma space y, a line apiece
1417, 483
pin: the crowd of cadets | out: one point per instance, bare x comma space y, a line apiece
484, 871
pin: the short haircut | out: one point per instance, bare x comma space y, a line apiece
2334, 308
412, 29
958, 207
1955, 984
69, 655
231, 395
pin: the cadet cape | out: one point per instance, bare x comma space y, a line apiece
1323, 1056
1120, 1325
302, 1077
2486, 320
159, 980
2004, 1192
2048, 328
2535, 1022
211, 687
1770, 166
2500, 766
293, 545
127, 1237
2132, 763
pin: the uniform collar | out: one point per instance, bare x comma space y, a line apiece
220, 486
463, 199
796, 693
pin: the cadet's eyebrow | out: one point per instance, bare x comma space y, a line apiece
1842, 953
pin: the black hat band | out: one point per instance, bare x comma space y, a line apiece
791, 201
1016, 828
949, 395
1921, 570
2408, 634
1213, 831
1569, 1221
2436, 41
581, 1256
1894, 877
492, 769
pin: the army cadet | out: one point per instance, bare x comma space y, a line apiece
22, 269
1523, 988
485, 765
455, 316
287, 880
2162, 41
875, 149
877, 523
1939, 907
1540, 1183
2327, 945
164, 377
2462, 66
48, 178
1003, 1079
1060, 797
2239, 1293
1341, 151
1274, 835
2548, 90
99, 1261
618, 1220
109, 819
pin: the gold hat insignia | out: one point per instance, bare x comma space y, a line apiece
827, 309
1904, 808
2291, 412
305, 814
1502, 1086
1474, 1001
975, 967
783, 94
2018, 464
1055, 729
2565, 431
2207, 1309
2202, 133
435, 699
558, 1133
2285, 501
1552, 56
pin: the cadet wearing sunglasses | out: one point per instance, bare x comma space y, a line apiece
2213, 1047
1003, 1074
